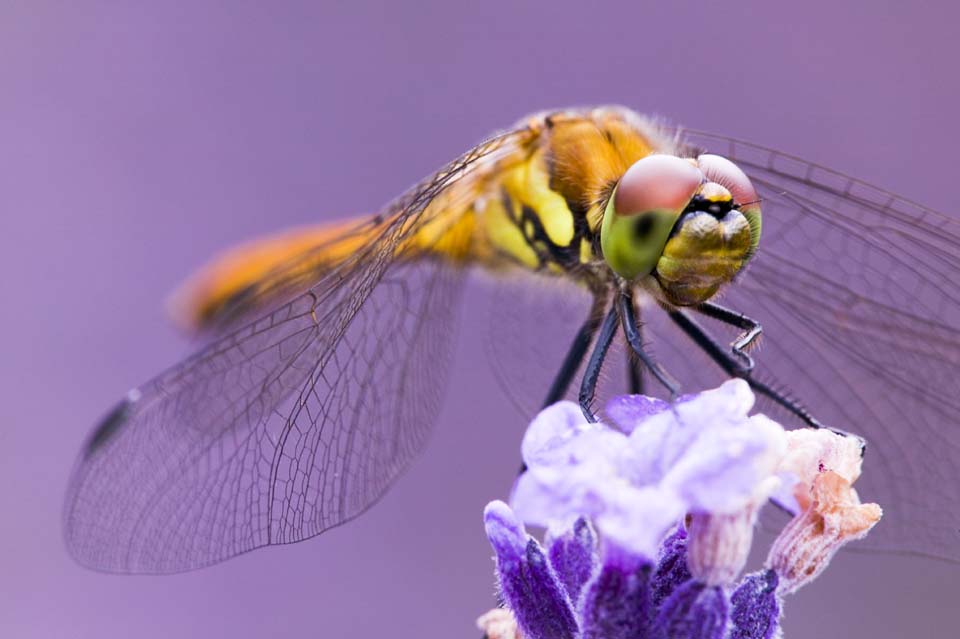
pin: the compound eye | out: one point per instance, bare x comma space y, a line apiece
657, 183
725, 173
647, 202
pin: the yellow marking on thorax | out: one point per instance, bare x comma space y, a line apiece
503, 234
534, 191
586, 251
526, 185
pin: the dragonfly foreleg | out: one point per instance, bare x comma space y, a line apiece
574, 357
751, 327
800, 411
631, 329
588, 385
723, 358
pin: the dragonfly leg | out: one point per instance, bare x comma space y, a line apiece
574, 357
723, 358
635, 368
751, 330
634, 365
631, 329
588, 385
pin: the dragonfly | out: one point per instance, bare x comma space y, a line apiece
693, 258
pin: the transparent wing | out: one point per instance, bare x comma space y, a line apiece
530, 319
293, 424
858, 292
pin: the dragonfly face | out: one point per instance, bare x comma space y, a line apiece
690, 223
328, 346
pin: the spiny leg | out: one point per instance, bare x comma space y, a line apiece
574, 357
727, 361
631, 329
634, 365
588, 385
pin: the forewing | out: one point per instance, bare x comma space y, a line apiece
286, 427
858, 292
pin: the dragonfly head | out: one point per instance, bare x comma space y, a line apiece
692, 224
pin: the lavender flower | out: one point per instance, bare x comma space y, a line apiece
756, 607
527, 580
573, 555
703, 454
618, 602
672, 567
702, 467
693, 610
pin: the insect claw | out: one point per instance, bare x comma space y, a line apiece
667, 380
860, 440
746, 361
589, 414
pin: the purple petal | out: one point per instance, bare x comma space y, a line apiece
617, 603
672, 568
528, 584
627, 411
693, 611
756, 609
504, 530
573, 556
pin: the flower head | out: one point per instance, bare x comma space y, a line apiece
703, 454
703, 467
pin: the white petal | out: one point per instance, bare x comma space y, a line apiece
552, 429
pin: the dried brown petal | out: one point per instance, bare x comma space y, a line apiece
833, 517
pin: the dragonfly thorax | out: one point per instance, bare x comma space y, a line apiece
690, 224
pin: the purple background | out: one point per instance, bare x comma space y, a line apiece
137, 140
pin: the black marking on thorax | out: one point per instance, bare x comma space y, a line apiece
528, 222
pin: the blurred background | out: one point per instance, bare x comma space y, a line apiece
137, 139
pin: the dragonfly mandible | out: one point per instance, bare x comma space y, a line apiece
323, 374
